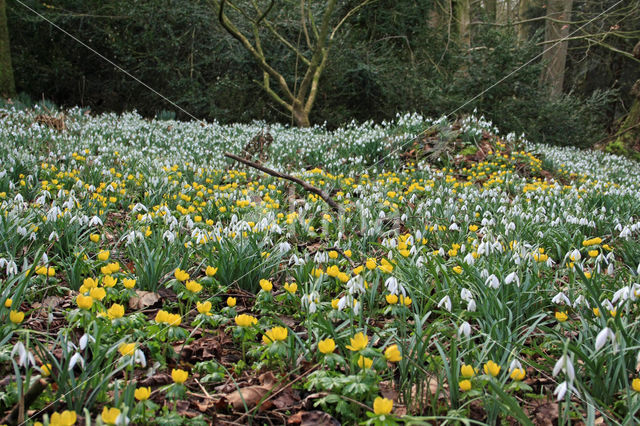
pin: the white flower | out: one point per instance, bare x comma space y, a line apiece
561, 299
76, 358
471, 307
139, 358
464, 330
564, 364
446, 301
602, 337
561, 389
466, 295
492, 281
511, 278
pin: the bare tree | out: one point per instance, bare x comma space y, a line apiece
555, 56
319, 27
7, 85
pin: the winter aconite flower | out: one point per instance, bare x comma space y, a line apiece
291, 288
364, 362
327, 346
211, 271
142, 394
16, 317
110, 415
382, 406
128, 283
45, 370
358, 342
635, 384
127, 349
115, 311
84, 302
244, 320
266, 285
491, 368
179, 376
193, 286
231, 302
204, 307
276, 334
66, 418
7, 303
103, 255
181, 275
517, 374
467, 371
465, 385
392, 354
391, 299
561, 316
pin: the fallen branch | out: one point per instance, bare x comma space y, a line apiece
280, 175
17, 414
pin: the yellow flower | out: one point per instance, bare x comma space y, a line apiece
382, 406
16, 317
473, 228
371, 263
84, 302
94, 237
45, 370
266, 285
115, 311
8, 303
357, 270
276, 334
327, 346
467, 371
392, 299
127, 349
103, 255
465, 385
587, 274
405, 300
457, 269
592, 242
128, 283
364, 362
386, 266
491, 368
66, 418
245, 320
181, 275
596, 312
333, 254
392, 354
98, 293
635, 384
110, 415
108, 281
193, 286
561, 316
142, 394
347, 253
291, 288
179, 376
593, 253
358, 342
231, 302
43, 270
204, 308
211, 271
518, 374
89, 283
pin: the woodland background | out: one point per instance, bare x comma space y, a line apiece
429, 56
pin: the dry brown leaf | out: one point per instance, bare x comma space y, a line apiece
252, 395
143, 300
309, 418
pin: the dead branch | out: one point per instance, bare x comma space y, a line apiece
280, 175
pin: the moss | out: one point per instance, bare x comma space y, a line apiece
470, 150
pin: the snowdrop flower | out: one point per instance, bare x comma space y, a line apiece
446, 301
561, 299
471, 307
169, 236
95, 220
466, 295
76, 358
511, 278
622, 295
139, 358
392, 285
579, 301
24, 356
84, 340
454, 227
562, 388
515, 365
469, 259
492, 282
464, 330
603, 336
565, 365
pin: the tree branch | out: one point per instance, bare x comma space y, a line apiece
335, 206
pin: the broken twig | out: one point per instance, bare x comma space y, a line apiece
319, 192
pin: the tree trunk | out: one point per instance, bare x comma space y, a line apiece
628, 137
491, 6
7, 84
300, 116
463, 16
555, 54
523, 29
